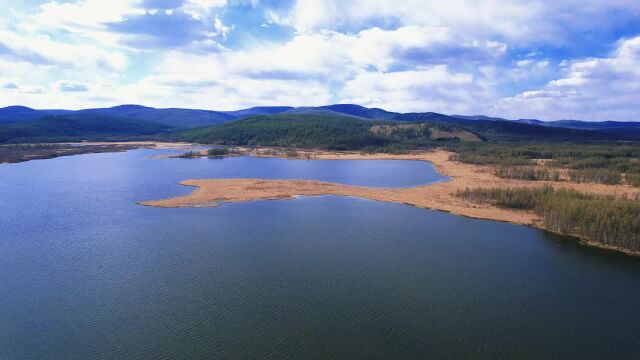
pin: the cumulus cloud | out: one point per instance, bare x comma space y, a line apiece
228, 93
524, 20
42, 50
201, 8
311, 68
501, 57
335, 57
496, 16
158, 30
419, 45
434, 88
133, 23
84, 16
593, 88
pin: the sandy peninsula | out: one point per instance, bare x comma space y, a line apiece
437, 196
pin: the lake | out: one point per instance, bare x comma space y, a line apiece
85, 273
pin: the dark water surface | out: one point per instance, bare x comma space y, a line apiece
87, 274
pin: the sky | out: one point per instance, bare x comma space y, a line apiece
549, 60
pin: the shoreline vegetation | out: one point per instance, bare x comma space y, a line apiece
213, 152
454, 195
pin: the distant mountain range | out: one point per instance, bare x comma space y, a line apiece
190, 118
12, 114
19, 122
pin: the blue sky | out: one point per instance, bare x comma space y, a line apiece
518, 59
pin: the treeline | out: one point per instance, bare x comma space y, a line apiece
528, 173
616, 156
599, 176
217, 152
190, 154
621, 164
602, 219
605, 163
213, 152
486, 159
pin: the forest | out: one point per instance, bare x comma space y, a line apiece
608, 220
605, 163
77, 127
528, 173
310, 131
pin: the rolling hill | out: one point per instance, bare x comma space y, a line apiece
259, 110
18, 122
302, 130
492, 128
428, 116
345, 132
12, 114
77, 126
361, 111
178, 118
513, 131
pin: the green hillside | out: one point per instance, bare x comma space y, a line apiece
178, 118
312, 131
512, 131
307, 130
78, 127
345, 132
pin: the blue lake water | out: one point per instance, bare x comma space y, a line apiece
85, 273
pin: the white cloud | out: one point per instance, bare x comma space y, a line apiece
310, 68
434, 88
40, 62
231, 93
85, 13
493, 16
334, 56
85, 17
524, 20
93, 20
220, 28
410, 55
415, 45
42, 50
91, 15
201, 8
591, 89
